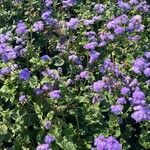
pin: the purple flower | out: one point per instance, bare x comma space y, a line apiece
94, 55
25, 74
147, 55
97, 86
147, 72
56, 94
116, 109
48, 139
100, 142
21, 28
112, 144
5, 71
5, 37
88, 22
52, 73
134, 83
38, 91
23, 99
99, 8
46, 15
96, 18
48, 3
121, 101
84, 75
47, 86
106, 36
102, 44
45, 57
38, 26
91, 45
123, 19
43, 147
138, 98
73, 23
139, 65
112, 24
124, 6
109, 143
90, 34
74, 58
119, 30
8, 54
133, 2
125, 91
135, 24
69, 3
143, 6
134, 38
142, 113
51, 22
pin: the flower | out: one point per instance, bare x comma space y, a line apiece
5, 70
147, 55
38, 26
48, 139
142, 113
138, 97
99, 8
134, 38
116, 109
43, 147
46, 15
100, 142
25, 74
56, 94
143, 6
74, 58
45, 57
90, 46
147, 72
119, 30
109, 143
97, 86
84, 74
51, 21
124, 6
94, 55
68, 3
125, 90
139, 65
52, 73
112, 144
133, 2
23, 99
121, 101
21, 28
47, 86
48, 3
38, 91
73, 23
88, 22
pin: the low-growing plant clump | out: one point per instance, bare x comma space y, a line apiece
74, 74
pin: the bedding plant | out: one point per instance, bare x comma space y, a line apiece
74, 74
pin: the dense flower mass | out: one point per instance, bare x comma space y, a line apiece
24, 74
71, 70
108, 143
